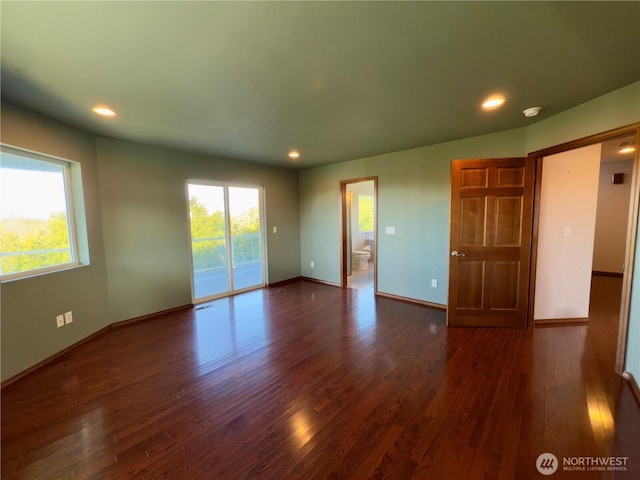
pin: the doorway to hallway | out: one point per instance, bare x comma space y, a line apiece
611, 138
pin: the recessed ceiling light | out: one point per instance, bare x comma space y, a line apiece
532, 111
628, 146
103, 111
492, 102
294, 154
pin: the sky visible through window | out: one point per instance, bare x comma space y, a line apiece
241, 199
34, 193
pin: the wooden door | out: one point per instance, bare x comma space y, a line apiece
490, 242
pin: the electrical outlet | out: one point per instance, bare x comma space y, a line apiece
275, 229
59, 321
68, 318
434, 283
312, 264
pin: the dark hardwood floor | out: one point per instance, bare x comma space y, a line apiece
313, 381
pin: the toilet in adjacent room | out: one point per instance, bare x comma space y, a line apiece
360, 258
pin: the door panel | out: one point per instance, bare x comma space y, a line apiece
508, 218
510, 177
209, 248
246, 236
469, 294
474, 177
504, 294
491, 211
472, 221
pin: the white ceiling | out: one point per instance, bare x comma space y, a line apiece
335, 80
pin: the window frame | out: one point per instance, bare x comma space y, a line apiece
68, 179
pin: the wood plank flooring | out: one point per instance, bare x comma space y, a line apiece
308, 381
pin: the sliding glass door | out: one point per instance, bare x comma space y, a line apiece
246, 237
227, 248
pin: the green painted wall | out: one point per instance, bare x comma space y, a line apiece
413, 197
144, 211
30, 305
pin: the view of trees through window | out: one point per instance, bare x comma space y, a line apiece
208, 237
34, 217
208, 234
365, 213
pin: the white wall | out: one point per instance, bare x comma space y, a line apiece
568, 203
612, 218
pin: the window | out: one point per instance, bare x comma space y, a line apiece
37, 228
365, 213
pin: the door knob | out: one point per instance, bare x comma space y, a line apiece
455, 253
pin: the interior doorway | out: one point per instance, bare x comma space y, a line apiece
359, 233
609, 147
583, 226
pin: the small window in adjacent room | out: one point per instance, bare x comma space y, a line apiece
365, 213
37, 226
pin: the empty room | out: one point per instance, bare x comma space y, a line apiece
304, 240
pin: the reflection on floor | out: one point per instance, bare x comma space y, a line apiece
305, 380
361, 279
